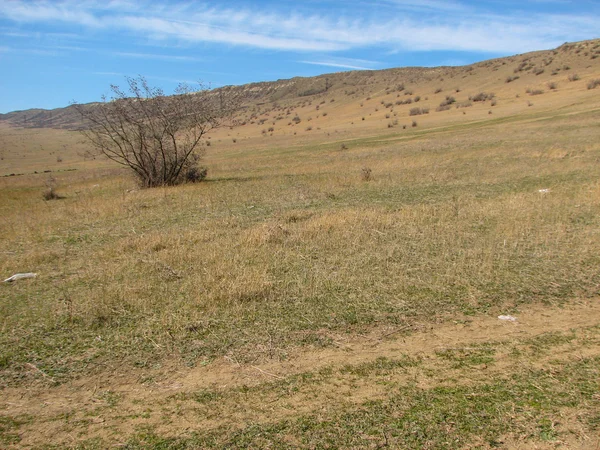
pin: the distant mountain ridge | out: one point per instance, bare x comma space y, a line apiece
347, 84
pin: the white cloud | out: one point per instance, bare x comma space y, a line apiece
443, 26
343, 63
156, 56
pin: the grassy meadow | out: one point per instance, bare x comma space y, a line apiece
282, 300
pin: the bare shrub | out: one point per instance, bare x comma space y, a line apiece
366, 174
446, 103
482, 97
195, 174
158, 137
50, 194
593, 84
574, 77
50, 191
418, 111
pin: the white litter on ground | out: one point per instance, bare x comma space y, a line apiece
508, 318
20, 276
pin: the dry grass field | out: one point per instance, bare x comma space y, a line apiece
334, 283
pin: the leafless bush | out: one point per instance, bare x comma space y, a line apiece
50, 191
418, 111
482, 97
593, 84
574, 77
366, 174
158, 137
446, 103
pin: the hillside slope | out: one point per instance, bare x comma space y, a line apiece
396, 88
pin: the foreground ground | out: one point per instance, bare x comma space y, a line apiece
312, 294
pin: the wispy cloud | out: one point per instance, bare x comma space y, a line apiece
156, 56
343, 63
446, 25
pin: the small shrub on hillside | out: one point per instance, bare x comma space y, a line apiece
593, 84
418, 111
574, 77
535, 91
414, 123
442, 107
552, 86
482, 97
510, 79
366, 174
50, 194
438, 90
195, 174
449, 100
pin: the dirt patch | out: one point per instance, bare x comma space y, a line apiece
114, 405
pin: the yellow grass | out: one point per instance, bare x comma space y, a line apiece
285, 248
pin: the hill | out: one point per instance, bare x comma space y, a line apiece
503, 76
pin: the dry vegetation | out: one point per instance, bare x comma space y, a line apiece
334, 287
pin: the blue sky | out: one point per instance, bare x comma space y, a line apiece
54, 52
